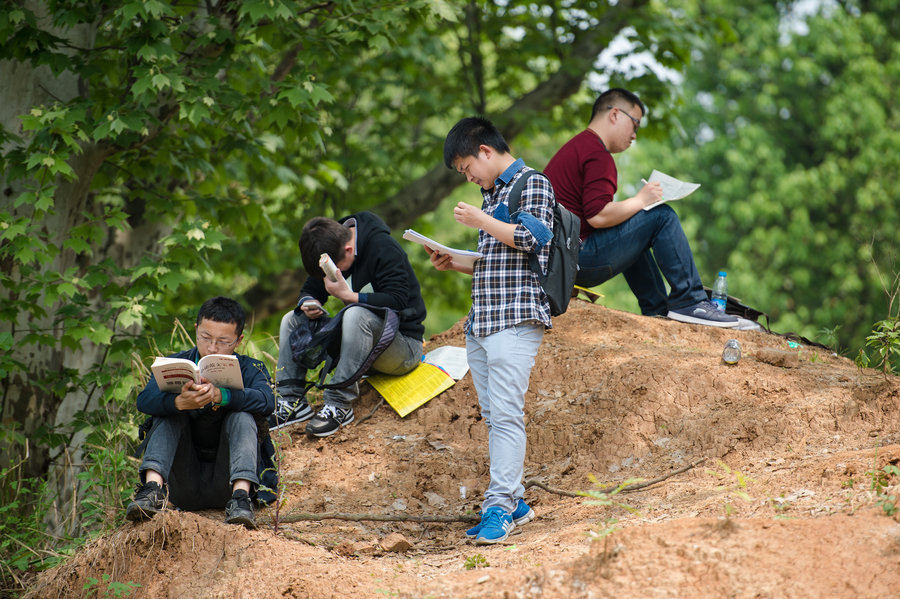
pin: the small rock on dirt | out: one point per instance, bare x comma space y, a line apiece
395, 542
778, 357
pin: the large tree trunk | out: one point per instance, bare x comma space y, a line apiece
24, 400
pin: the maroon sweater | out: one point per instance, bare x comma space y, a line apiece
584, 177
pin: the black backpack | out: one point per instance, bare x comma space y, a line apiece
562, 265
320, 342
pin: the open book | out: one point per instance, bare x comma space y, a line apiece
462, 257
672, 188
220, 369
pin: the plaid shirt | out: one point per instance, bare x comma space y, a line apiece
504, 290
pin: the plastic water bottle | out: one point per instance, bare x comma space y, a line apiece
732, 352
720, 291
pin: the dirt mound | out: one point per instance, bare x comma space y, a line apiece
778, 453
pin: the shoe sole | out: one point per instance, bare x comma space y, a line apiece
135, 513
484, 541
710, 323
246, 522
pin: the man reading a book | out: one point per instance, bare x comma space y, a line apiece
621, 237
203, 449
370, 268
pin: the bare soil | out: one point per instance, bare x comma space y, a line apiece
781, 505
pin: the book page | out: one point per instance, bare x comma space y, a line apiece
461, 257
672, 188
222, 370
172, 373
451, 360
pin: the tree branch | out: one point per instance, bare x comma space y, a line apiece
425, 194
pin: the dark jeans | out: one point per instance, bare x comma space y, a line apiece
626, 248
196, 483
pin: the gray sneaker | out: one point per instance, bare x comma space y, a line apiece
704, 313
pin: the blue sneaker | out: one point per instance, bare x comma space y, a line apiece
522, 514
496, 525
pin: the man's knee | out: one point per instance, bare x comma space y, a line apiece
356, 317
241, 419
289, 322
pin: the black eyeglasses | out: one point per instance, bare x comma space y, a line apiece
637, 122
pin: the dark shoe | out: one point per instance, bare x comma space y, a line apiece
289, 411
239, 510
328, 420
521, 515
704, 313
149, 499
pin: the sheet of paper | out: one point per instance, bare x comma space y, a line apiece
672, 188
463, 257
451, 360
407, 392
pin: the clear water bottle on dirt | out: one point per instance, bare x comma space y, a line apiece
732, 352
720, 291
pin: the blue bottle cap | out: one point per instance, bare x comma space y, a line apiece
722, 273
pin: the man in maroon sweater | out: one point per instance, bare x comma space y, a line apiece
621, 237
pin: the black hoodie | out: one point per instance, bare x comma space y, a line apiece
381, 263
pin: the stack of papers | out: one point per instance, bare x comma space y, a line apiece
439, 370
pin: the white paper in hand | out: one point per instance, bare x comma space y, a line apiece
672, 188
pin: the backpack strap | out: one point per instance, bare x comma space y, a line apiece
512, 204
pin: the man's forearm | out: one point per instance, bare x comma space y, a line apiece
616, 213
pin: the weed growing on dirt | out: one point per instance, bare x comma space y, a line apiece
734, 485
476, 561
885, 337
112, 588
882, 482
602, 496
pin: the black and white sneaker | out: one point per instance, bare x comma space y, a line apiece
704, 313
289, 411
328, 420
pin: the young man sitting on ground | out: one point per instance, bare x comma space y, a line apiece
203, 447
372, 269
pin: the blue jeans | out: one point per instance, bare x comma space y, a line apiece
358, 331
501, 366
626, 248
197, 482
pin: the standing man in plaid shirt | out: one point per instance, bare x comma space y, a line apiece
509, 310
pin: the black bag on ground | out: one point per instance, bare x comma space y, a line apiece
320, 342
562, 266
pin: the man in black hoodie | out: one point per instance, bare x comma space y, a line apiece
372, 269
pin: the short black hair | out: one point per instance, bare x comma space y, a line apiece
223, 309
322, 236
468, 135
615, 98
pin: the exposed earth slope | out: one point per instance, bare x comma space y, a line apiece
781, 505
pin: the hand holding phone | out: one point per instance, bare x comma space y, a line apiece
312, 308
328, 267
